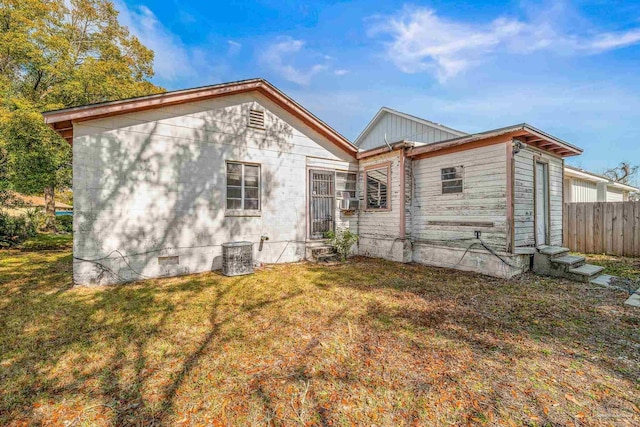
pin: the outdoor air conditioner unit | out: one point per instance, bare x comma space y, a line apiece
237, 258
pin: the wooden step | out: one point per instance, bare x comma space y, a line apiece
569, 260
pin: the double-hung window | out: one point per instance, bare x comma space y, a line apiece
243, 186
452, 179
377, 187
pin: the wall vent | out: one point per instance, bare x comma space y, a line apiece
168, 260
256, 119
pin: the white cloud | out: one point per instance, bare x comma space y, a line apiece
234, 47
420, 40
340, 72
173, 60
279, 57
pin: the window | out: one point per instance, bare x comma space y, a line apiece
243, 186
346, 185
377, 187
452, 179
256, 119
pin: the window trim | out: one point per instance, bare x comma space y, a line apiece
242, 211
377, 166
442, 181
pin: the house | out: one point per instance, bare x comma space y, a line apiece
162, 181
26, 202
584, 186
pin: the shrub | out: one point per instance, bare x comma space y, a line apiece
37, 219
343, 241
15, 229
64, 223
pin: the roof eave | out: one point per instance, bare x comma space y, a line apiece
62, 120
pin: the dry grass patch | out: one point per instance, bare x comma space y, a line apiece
364, 343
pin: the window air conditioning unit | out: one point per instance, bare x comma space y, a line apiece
237, 258
349, 204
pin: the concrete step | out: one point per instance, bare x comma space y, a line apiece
569, 260
602, 280
327, 258
553, 251
586, 272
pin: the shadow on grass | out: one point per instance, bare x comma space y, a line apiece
46, 329
134, 348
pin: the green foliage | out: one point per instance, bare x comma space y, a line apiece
15, 229
37, 219
343, 241
57, 54
64, 223
36, 157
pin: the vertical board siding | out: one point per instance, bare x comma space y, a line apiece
611, 228
524, 197
584, 191
398, 128
483, 200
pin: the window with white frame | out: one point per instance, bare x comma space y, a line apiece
243, 186
377, 188
452, 179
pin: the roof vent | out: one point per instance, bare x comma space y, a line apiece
256, 119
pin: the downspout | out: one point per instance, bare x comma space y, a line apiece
403, 196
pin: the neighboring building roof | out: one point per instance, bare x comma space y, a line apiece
62, 120
37, 201
527, 133
387, 110
593, 177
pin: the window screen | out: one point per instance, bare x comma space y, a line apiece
452, 179
243, 186
377, 188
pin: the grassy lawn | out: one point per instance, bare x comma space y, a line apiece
369, 342
628, 268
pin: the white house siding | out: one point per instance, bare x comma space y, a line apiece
578, 190
524, 233
379, 231
398, 128
614, 195
153, 183
483, 200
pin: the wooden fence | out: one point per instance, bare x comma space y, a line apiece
602, 227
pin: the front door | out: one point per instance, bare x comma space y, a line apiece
542, 203
321, 202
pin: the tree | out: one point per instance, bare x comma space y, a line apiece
623, 173
57, 54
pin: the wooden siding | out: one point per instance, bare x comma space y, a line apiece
524, 232
385, 223
603, 227
399, 128
449, 218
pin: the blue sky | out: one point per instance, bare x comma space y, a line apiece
569, 68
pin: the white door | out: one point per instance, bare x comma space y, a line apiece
542, 200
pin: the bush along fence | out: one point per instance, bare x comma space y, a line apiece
611, 228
